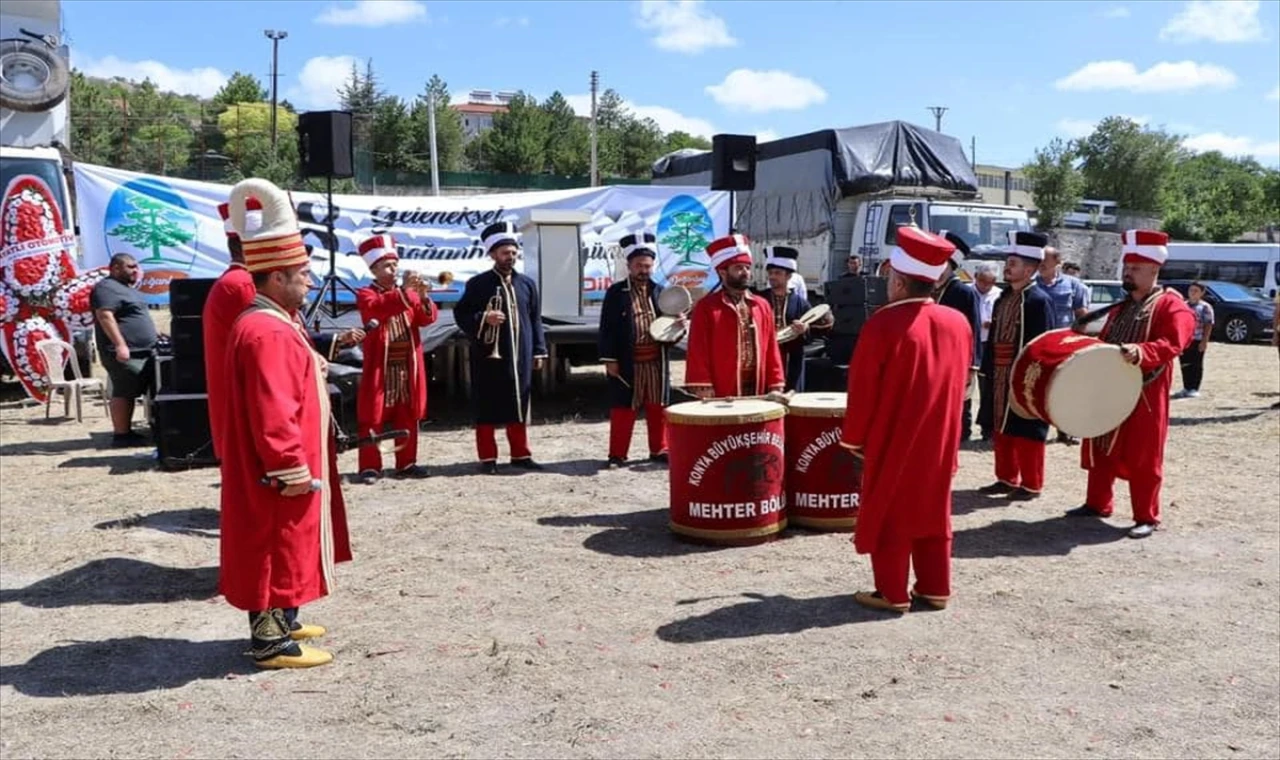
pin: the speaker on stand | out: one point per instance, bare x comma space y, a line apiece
733, 168
325, 150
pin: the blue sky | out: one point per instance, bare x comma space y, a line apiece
1013, 75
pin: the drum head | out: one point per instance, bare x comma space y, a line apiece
666, 330
816, 314
674, 300
818, 404
1093, 392
725, 411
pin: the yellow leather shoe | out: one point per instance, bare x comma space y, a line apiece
873, 600
930, 602
306, 631
309, 658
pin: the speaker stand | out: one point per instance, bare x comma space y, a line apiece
331, 281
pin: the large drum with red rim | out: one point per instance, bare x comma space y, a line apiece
1077, 383
727, 470
823, 478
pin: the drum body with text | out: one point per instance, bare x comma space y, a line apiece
1077, 383
727, 470
823, 478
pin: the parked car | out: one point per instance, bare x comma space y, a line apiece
1240, 315
1102, 293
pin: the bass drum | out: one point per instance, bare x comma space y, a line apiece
33, 76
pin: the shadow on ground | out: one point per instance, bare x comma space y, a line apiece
117, 580
1053, 537
201, 522
766, 615
631, 534
125, 666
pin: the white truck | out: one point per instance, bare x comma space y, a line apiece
838, 192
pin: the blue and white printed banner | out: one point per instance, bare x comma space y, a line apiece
172, 227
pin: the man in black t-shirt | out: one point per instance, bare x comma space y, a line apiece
126, 337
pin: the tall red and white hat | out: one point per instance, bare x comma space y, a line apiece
252, 216
921, 255
730, 249
378, 247
1144, 247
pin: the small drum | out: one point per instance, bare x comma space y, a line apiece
823, 478
810, 318
674, 300
666, 330
1077, 383
727, 471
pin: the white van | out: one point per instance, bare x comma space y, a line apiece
1253, 265
1091, 213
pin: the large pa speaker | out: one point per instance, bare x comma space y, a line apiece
324, 144
184, 374
187, 297
857, 291
733, 162
180, 429
187, 336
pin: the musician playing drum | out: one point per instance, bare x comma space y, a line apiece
393, 385
502, 314
636, 364
1153, 325
788, 306
1019, 315
733, 347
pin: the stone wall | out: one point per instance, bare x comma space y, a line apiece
1097, 253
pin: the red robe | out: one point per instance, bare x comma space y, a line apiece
276, 551
1137, 446
906, 389
714, 357
383, 305
228, 298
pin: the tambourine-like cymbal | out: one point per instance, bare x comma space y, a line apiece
810, 317
666, 330
675, 300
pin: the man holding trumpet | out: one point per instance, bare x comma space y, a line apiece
393, 386
501, 312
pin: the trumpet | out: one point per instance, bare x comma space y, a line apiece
489, 333
443, 279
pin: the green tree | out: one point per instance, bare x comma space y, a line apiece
450, 136
687, 235
568, 149
1127, 163
246, 130
392, 138
611, 117
681, 140
517, 142
163, 148
151, 225
1212, 197
361, 94
1057, 186
240, 88
95, 121
640, 144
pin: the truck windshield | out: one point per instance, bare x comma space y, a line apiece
45, 169
986, 230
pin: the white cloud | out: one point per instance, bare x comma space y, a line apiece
1274, 94
1116, 11
374, 13
668, 119
1074, 128
319, 81
509, 21
1231, 145
766, 135
204, 82
1215, 21
759, 91
1162, 77
684, 26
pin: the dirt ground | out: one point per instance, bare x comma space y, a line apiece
553, 615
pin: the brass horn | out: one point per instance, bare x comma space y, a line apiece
489, 333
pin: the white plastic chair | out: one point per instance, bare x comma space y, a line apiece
57, 354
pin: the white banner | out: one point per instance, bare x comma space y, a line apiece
171, 226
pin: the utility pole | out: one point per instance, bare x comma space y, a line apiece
937, 116
595, 169
275, 37
973, 153
431, 135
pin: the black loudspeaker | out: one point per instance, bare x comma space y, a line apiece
187, 297
187, 336
180, 429
184, 374
733, 162
324, 144
857, 291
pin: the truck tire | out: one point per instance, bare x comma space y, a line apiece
34, 77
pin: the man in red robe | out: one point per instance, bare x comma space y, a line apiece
393, 382
1153, 326
733, 348
907, 382
230, 295
280, 536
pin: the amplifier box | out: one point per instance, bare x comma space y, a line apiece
850, 319
180, 429
187, 336
187, 297
185, 374
856, 291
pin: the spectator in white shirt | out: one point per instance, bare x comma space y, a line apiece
984, 282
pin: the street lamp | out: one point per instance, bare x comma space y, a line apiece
275, 37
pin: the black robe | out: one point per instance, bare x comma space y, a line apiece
617, 341
500, 387
965, 299
792, 350
1037, 318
